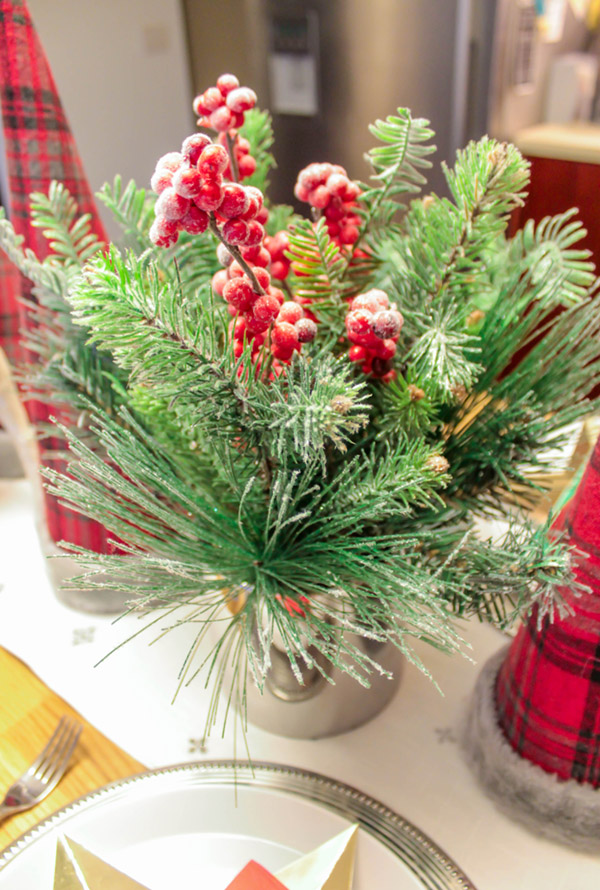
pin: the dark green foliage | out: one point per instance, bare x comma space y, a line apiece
297, 504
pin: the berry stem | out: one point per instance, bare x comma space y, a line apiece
235, 173
236, 254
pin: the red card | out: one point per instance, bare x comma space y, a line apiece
254, 877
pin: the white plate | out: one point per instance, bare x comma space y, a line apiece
198, 824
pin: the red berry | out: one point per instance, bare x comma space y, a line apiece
235, 231
258, 256
163, 232
223, 255
212, 98
352, 191
195, 221
373, 300
290, 312
238, 292
213, 160
251, 253
262, 276
278, 294
306, 330
319, 197
358, 324
210, 195
262, 216
161, 179
226, 83
256, 325
192, 147
386, 323
281, 353
235, 201
256, 233
242, 146
357, 354
199, 107
246, 166
171, 161
219, 280
386, 349
280, 269
349, 234
284, 336
222, 119
241, 99
235, 270
187, 182
266, 308
238, 348
337, 184
253, 207
334, 211
171, 205
389, 376
301, 192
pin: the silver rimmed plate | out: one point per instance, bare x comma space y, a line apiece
197, 824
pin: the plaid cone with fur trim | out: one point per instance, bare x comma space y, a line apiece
533, 730
39, 147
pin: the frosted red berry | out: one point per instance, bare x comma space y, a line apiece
290, 312
238, 292
171, 205
192, 147
195, 221
306, 330
226, 83
187, 182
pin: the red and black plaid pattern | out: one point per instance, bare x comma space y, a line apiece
548, 688
39, 148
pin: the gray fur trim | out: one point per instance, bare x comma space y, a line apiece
561, 810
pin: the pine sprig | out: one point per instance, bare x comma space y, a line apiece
132, 208
258, 130
548, 251
318, 264
397, 164
68, 233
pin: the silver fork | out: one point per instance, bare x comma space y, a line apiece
46, 770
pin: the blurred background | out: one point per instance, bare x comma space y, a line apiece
127, 71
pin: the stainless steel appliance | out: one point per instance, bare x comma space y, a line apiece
327, 68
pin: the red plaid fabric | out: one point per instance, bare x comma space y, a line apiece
548, 688
39, 147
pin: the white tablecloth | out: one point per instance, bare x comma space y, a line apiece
407, 757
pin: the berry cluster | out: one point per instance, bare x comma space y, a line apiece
191, 185
255, 313
327, 188
373, 326
224, 106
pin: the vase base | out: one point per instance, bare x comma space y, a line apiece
333, 708
560, 810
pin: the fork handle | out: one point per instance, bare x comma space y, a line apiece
6, 811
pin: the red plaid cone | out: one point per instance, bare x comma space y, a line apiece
39, 148
534, 727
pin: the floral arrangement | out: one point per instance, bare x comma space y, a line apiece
291, 422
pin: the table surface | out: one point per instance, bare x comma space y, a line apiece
408, 757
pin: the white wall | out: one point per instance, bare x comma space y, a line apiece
121, 69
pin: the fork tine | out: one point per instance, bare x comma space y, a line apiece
60, 765
49, 745
56, 757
